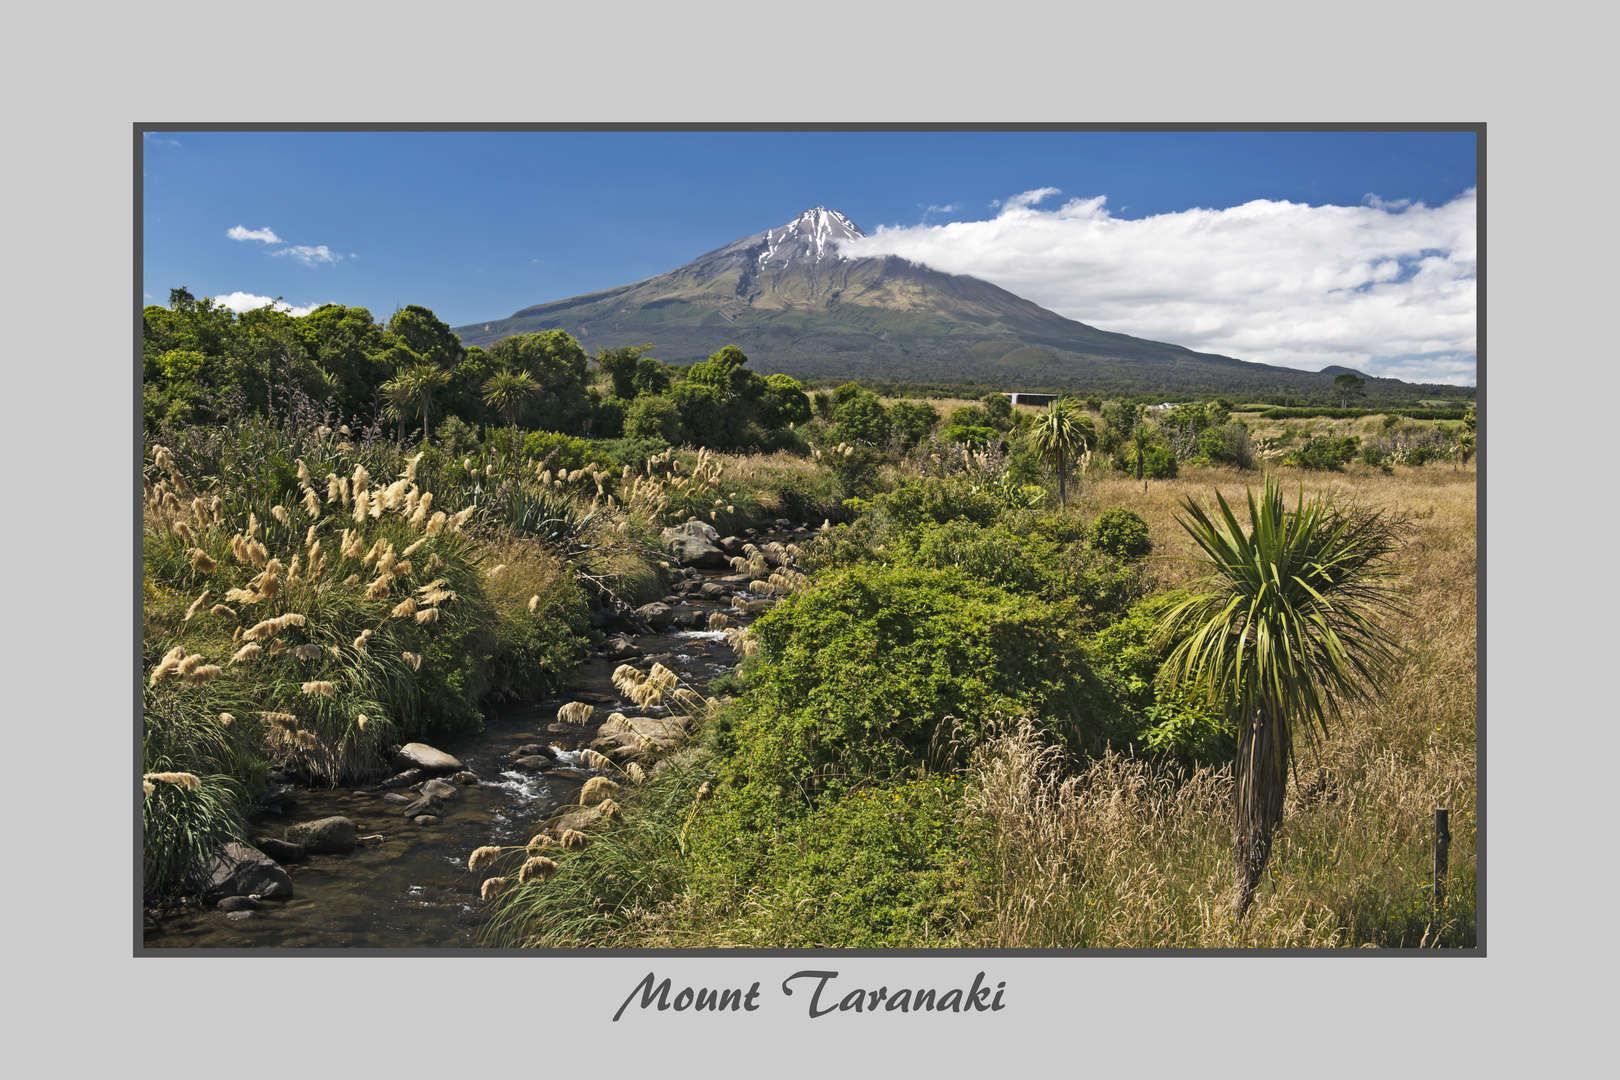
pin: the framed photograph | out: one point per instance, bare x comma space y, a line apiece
980, 541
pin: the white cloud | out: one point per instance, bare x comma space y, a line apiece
310, 256
241, 301
238, 232
1384, 287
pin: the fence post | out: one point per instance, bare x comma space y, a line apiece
1442, 846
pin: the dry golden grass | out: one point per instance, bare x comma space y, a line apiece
1120, 856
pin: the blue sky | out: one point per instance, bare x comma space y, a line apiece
1299, 248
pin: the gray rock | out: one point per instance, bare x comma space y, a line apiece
422, 756
427, 819
241, 916
694, 544
712, 591
239, 870
396, 798
658, 616
534, 763
619, 648
275, 794
238, 903
624, 755
533, 750
425, 805
404, 779
732, 545
465, 779
280, 850
441, 789
329, 835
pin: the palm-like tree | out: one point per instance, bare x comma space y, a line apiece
1061, 436
507, 391
1141, 443
410, 392
1284, 634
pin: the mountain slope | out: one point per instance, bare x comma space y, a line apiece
795, 305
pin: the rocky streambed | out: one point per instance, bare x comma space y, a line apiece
384, 865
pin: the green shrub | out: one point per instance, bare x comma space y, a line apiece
559, 451
1121, 533
1160, 463
863, 669
653, 417
1325, 454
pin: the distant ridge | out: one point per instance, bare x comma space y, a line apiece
794, 303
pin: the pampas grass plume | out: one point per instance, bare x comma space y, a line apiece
594, 760
227, 719
250, 651
427, 616
610, 809
307, 652
497, 572
147, 787
408, 552
201, 563
281, 515
178, 779
482, 857
596, 789
573, 839
205, 673
413, 659
183, 531
537, 867
323, 689
492, 888
576, 712
362, 721
360, 642
255, 530
534, 602
196, 605
404, 609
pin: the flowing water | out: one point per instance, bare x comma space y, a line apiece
412, 888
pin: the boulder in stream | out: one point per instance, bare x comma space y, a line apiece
695, 544
532, 749
280, 850
427, 804
656, 615
239, 870
619, 648
327, 836
441, 789
404, 779
422, 756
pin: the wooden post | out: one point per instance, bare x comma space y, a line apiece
1442, 846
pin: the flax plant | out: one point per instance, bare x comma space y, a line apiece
1283, 632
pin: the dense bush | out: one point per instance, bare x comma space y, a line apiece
862, 671
1325, 454
1121, 533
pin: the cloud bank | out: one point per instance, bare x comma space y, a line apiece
241, 301
1387, 288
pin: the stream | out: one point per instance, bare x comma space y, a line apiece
412, 888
